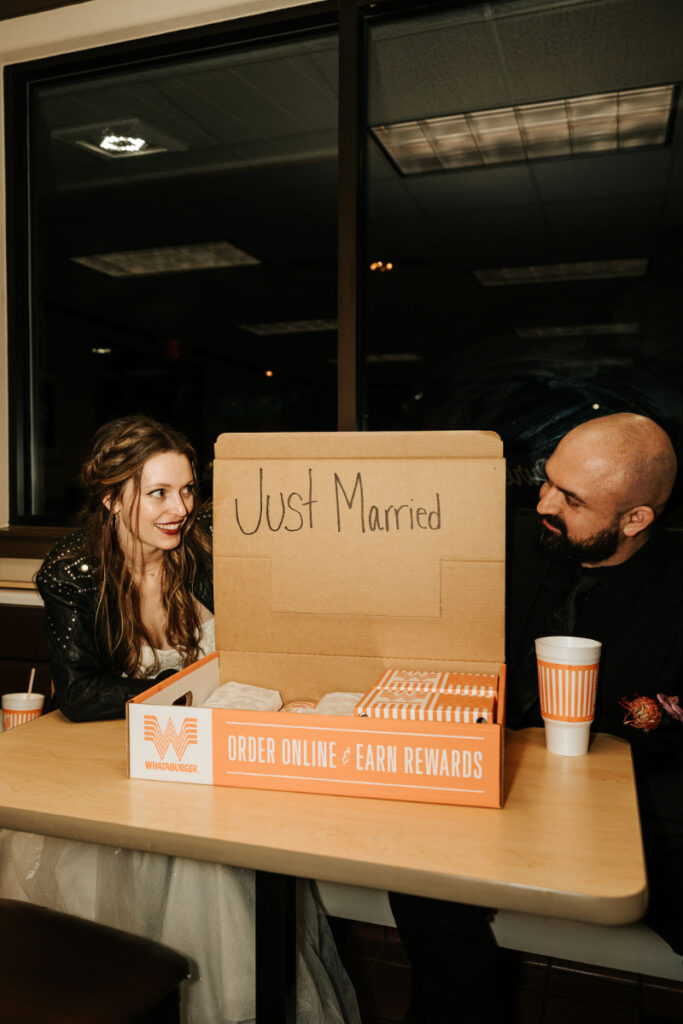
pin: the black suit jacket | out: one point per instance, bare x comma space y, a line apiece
643, 640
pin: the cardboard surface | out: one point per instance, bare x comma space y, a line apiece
338, 556
399, 557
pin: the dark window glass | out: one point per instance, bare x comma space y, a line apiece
525, 184
183, 238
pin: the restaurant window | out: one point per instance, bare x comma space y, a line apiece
511, 180
182, 237
525, 244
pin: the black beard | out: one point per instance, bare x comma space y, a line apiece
595, 549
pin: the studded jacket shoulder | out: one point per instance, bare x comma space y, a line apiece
87, 687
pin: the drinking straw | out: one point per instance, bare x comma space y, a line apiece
30, 682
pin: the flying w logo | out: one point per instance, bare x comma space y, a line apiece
180, 741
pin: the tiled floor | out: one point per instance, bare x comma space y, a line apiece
541, 990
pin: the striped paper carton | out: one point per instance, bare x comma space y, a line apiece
426, 706
477, 684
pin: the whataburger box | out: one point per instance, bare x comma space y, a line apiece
336, 557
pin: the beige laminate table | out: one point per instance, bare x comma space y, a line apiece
566, 844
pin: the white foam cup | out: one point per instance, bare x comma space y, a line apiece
18, 708
568, 683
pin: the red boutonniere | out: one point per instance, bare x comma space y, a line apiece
646, 713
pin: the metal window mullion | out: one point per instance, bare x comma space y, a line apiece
351, 215
18, 314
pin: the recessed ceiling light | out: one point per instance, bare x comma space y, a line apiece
627, 119
545, 273
291, 327
119, 139
170, 259
575, 330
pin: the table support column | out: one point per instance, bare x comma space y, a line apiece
275, 948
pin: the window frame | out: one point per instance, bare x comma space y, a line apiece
25, 537
21, 538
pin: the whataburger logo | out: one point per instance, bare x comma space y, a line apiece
180, 741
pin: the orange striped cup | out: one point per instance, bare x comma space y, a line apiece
18, 708
567, 686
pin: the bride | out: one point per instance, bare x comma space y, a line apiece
128, 600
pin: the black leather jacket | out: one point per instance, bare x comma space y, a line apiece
87, 687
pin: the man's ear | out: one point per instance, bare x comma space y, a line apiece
637, 520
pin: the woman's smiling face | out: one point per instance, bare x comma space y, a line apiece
154, 522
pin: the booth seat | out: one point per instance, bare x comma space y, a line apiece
634, 948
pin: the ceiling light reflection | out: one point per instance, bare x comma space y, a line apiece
394, 357
576, 330
584, 270
601, 122
291, 327
167, 259
128, 137
122, 144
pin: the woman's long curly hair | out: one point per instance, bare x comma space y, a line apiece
120, 450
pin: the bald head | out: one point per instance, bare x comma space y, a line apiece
606, 482
631, 455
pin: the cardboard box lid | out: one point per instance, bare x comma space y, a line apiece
386, 544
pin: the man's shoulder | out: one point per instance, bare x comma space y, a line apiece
673, 539
663, 586
671, 546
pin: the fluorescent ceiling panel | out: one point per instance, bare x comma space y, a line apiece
575, 330
291, 327
171, 259
628, 119
584, 271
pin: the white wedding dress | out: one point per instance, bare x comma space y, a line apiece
205, 911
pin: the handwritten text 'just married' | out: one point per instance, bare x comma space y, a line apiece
294, 510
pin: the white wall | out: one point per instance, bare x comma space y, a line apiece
68, 30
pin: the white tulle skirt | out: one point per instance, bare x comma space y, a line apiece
205, 911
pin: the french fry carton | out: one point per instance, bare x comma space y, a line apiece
475, 683
337, 558
426, 706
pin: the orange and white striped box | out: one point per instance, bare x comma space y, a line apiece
426, 706
476, 684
